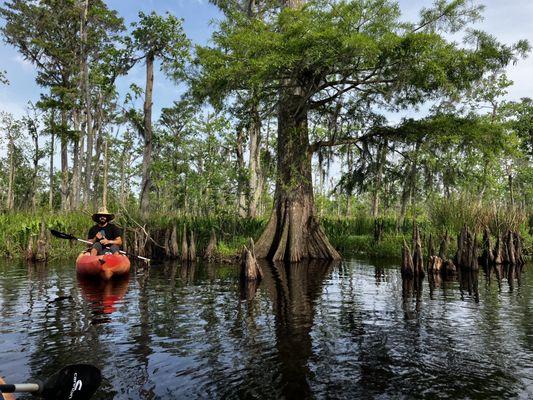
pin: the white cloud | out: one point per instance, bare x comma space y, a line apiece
17, 109
25, 64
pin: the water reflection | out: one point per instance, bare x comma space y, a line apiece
354, 330
411, 290
103, 296
468, 284
293, 290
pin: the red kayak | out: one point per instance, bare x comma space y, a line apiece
104, 267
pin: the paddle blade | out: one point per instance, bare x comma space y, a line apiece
62, 235
74, 382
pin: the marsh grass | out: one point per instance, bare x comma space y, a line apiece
351, 236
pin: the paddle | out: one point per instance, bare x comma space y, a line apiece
62, 235
73, 382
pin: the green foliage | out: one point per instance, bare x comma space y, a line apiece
162, 38
325, 44
3, 78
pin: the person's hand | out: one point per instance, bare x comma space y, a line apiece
99, 236
105, 241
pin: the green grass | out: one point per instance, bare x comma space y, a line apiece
351, 236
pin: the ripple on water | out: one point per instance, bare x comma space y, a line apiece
351, 330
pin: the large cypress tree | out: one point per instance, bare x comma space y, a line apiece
308, 54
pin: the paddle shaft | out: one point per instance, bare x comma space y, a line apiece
20, 387
120, 251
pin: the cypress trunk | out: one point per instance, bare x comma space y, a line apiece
106, 169
293, 232
51, 166
254, 163
76, 163
36, 156
10, 203
88, 109
380, 161
146, 182
64, 161
239, 152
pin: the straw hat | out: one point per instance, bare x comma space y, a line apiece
102, 211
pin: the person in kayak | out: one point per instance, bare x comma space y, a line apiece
104, 236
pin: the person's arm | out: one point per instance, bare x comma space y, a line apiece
117, 241
117, 233
6, 396
94, 237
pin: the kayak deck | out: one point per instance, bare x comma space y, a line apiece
104, 266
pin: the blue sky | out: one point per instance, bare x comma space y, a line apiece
508, 20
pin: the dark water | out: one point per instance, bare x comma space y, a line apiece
350, 330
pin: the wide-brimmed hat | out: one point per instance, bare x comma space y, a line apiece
102, 211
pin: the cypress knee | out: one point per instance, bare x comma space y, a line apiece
250, 269
192, 248
184, 247
407, 261
211, 246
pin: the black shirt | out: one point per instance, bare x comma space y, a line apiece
109, 232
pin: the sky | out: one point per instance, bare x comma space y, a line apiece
508, 20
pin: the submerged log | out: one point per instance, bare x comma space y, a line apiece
209, 253
250, 269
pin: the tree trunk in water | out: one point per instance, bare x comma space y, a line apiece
147, 153
64, 162
254, 163
293, 232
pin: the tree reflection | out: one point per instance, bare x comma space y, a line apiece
411, 287
468, 283
293, 290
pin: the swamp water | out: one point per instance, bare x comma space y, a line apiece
349, 330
